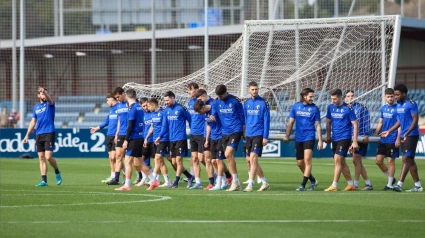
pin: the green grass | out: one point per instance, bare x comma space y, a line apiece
84, 207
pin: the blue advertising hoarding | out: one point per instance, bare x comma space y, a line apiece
79, 143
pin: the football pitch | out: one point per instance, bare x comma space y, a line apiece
83, 207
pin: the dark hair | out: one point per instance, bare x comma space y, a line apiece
118, 90
389, 91
253, 84
199, 104
336, 92
143, 100
193, 85
131, 93
110, 95
220, 89
401, 87
169, 94
153, 101
200, 92
305, 92
45, 89
349, 91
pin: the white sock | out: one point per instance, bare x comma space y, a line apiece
223, 180
367, 182
335, 184
112, 174
400, 184
387, 174
218, 182
158, 177
166, 178
390, 181
235, 177
250, 183
144, 175
356, 183
152, 177
418, 184
198, 180
248, 175
350, 182
128, 182
264, 180
192, 171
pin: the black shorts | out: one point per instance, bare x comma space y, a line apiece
408, 148
45, 142
341, 147
389, 150
301, 146
216, 149
134, 147
163, 148
244, 149
120, 141
231, 140
148, 152
254, 144
110, 144
197, 143
362, 149
178, 148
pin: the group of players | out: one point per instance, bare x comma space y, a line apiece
144, 129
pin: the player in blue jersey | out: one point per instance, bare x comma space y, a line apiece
388, 146
363, 120
257, 120
342, 121
44, 117
111, 121
230, 112
175, 124
133, 140
122, 112
160, 150
213, 148
306, 115
197, 128
407, 112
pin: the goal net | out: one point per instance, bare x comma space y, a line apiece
285, 56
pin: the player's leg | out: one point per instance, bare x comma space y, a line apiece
409, 164
111, 157
119, 153
138, 169
308, 157
231, 146
196, 168
178, 149
128, 164
362, 153
220, 181
246, 155
49, 147
207, 154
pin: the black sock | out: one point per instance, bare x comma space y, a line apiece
57, 171
305, 179
312, 179
44, 178
228, 175
176, 182
211, 180
188, 175
117, 176
140, 174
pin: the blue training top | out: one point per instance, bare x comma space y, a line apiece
341, 117
44, 113
257, 117
197, 120
231, 114
122, 112
389, 118
306, 116
405, 110
176, 117
111, 121
136, 114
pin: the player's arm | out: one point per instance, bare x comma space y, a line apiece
366, 125
355, 133
130, 126
328, 126
188, 117
266, 124
30, 128
415, 118
318, 129
289, 129
118, 130
48, 98
398, 140
207, 136
104, 124
378, 127
394, 127
214, 113
164, 127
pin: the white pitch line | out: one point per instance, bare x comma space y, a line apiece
211, 221
158, 198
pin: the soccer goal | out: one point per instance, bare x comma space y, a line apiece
285, 56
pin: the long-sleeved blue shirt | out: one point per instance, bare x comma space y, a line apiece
197, 126
122, 112
147, 120
257, 117
405, 110
363, 118
231, 114
157, 119
341, 118
176, 117
111, 121
215, 127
